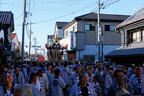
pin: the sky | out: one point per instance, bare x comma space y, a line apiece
45, 13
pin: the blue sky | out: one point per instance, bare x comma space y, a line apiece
45, 10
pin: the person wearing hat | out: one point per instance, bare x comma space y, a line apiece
108, 79
18, 76
138, 82
119, 84
7, 89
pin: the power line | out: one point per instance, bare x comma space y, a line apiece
62, 15
41, 2
18, 17
65, 14
64, 6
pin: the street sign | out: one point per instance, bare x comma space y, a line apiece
36, 46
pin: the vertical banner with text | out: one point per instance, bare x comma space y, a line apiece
72, 40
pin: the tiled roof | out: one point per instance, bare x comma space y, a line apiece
7, 19
103, 17
13, 35
135, 17
122, 52
133, 49
61, 24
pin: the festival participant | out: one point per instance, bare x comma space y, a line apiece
57, 84
42, 83
127, 73
34, 68
74, 77
23, 90
65, 72
83, 87
143, 68
108, 80
120, 84
100, 74
24, 71
96, 86
8, 88
138, 82
70, 66
33, 80
18, 76
91, 75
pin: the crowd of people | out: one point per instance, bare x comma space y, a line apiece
70, 79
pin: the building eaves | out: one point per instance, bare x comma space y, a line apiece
7, 19
138, 16
103, 17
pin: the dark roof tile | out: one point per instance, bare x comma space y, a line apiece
61, 24
133, 18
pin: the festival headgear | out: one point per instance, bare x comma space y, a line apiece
41, 68
78, 65
138, 69
8, 73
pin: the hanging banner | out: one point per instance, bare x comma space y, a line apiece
72, 40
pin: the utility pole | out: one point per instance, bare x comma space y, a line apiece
30, 41
99, 32
35, 47
23, 29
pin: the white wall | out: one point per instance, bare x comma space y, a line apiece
93, 50
65, 41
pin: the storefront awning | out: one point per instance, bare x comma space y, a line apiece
6, 53
126, 52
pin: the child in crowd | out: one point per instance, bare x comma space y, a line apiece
96, 85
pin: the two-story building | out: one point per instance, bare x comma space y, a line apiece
6, 28
81, 35
59, 32
132, 40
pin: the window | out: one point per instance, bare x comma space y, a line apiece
89, 58
74, 28
66, 33
109, 28
89, 27
136, 36
143, 35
